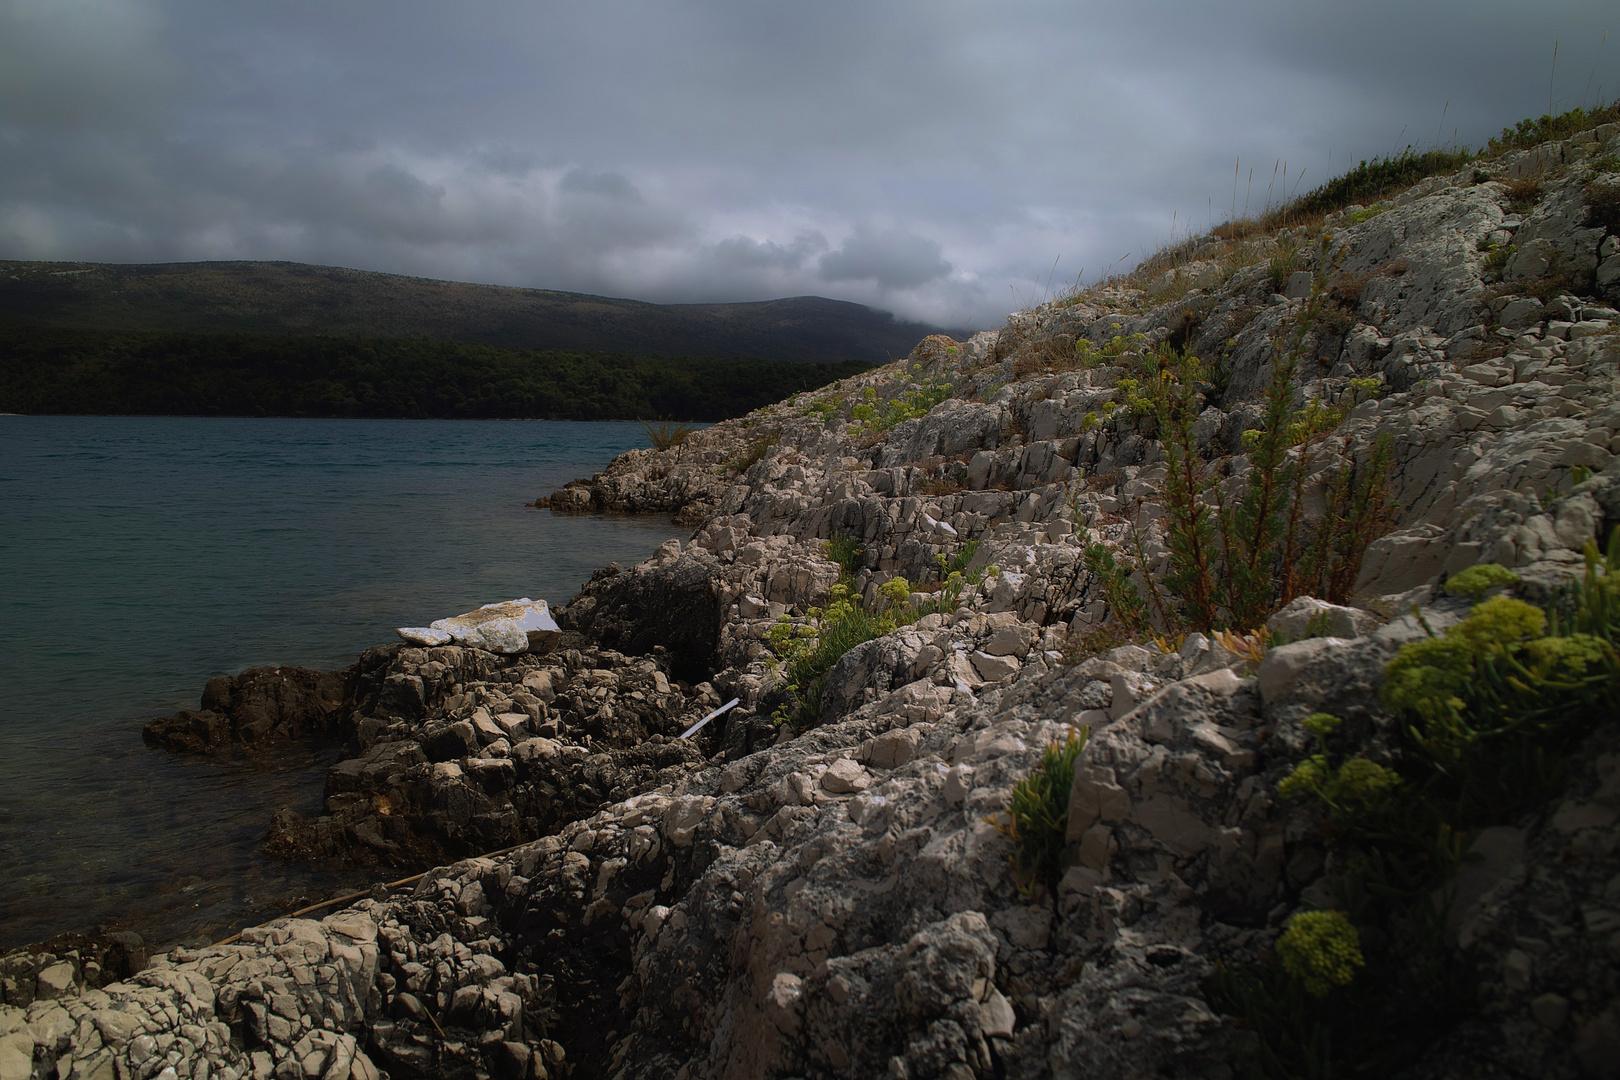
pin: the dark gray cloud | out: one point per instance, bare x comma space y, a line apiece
932, 157
889, 258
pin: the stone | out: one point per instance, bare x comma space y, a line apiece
1282, 666
1608, 273
1550, 1011
424, 635
994, 668
1306, 615
15, 1062
508, 626
782, 1002
1517, 967
1008, 641
1096, 845
845, 777
893, 749
1495, 855
1597, 1045
996, 1016
116, 1028
512, 1061
1094, 798
1521, 312
54, 982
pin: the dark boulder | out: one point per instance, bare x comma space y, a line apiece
673, 603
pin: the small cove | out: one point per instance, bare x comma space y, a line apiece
141, 556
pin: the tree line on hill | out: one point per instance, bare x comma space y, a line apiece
186, 374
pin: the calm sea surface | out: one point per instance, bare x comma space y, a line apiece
141, 556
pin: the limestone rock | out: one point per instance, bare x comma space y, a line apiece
509, 626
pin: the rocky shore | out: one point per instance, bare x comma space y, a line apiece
821, 887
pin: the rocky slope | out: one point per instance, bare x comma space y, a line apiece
833, 896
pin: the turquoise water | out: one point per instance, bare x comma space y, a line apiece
141, 556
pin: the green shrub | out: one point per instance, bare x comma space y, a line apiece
1371, 181
958, 563
846, 551
1125, 602
1234, 564
1038, 814
877, 417
1497, 257
1349, 788
755, 453
1280, 267
1477, 580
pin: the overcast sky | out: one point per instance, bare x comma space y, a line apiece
929, 157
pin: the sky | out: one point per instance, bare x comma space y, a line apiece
946, 160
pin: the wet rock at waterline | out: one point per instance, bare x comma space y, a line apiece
260, 707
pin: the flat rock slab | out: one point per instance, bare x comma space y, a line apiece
510, 627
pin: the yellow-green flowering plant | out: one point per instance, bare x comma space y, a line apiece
1321, 950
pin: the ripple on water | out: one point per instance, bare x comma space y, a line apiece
141, 556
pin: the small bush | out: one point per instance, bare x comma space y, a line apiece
846, 551
958, 563
1496, 259
1491, 713
1038, 814
877, 416
1279, 268
1523, 195
1477, 580
755, 453
1097, 640
1603, 205
1374, 180
1125, 602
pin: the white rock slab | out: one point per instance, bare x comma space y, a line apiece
423, 635
509, 627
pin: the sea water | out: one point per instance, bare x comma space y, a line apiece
142, 556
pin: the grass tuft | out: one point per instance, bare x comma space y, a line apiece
664, 434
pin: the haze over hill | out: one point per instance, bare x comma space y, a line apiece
293, 298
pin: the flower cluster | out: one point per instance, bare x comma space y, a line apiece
1321, 949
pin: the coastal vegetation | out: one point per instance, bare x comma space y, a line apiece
1491, 711
807, 649
87, 372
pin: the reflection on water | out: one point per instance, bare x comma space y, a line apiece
140, 557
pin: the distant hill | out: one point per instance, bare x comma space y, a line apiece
296, 299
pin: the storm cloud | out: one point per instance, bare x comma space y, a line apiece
945, 160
